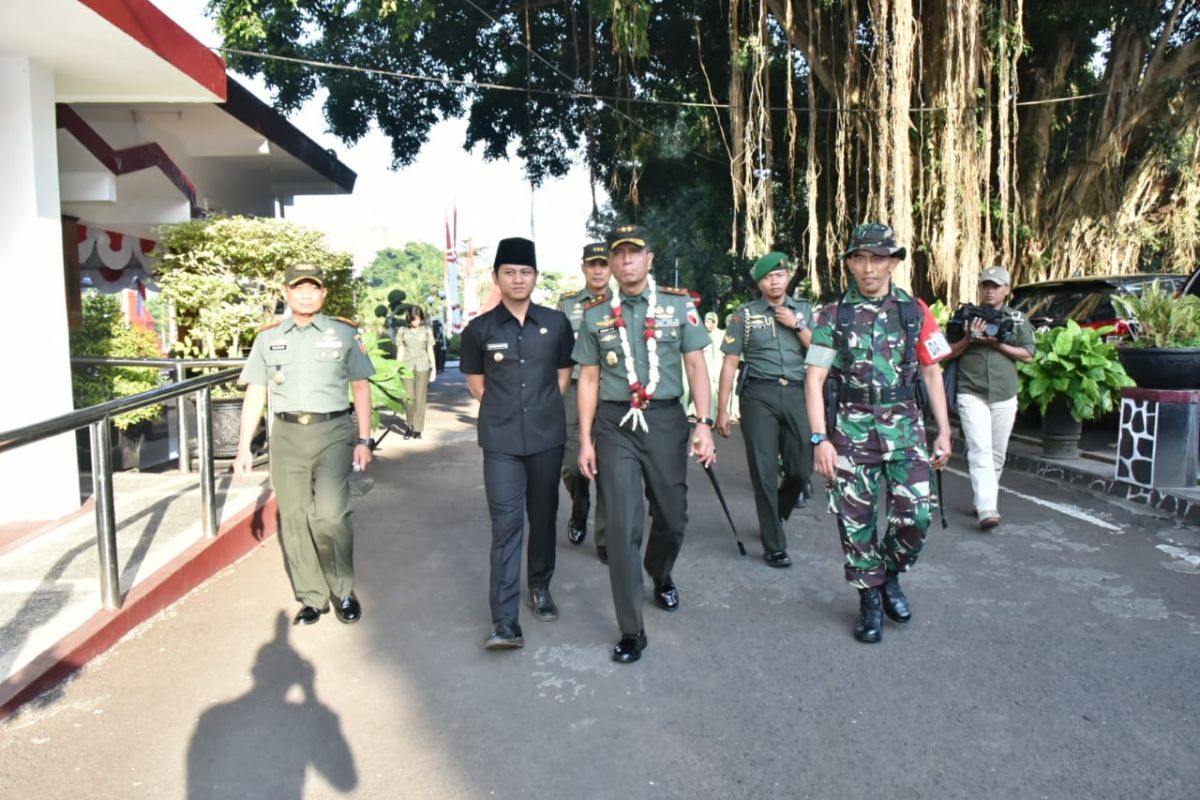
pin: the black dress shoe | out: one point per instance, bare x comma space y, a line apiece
542, 604
801, 501
347, 608
895, 604
777, 558
666, 595
630, 648
506, 636
576, 533
602, 553
416, 434
869, 627
309, 615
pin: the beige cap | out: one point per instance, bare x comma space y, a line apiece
996, 275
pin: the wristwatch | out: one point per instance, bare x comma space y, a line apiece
817, 438
800, 325
705, 421
370, 443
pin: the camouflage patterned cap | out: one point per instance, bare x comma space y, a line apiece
877, 238
304, 272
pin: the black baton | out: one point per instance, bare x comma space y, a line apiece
712, 477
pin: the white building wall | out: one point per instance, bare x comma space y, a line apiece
38, 481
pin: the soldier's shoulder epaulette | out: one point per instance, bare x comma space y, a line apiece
671, 290
349, 322
570, 295
268, 326
595, 301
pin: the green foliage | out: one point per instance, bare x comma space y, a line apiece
1163, 320
941, 313
387, 384
1077, 365
224, 276
103, 333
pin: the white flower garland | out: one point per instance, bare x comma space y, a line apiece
639, 396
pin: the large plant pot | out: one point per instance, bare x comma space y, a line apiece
1060, 431
1162, 367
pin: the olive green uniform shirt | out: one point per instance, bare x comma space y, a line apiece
310, 367
572, 305
415, 344
770, 351
986, 373
677, 331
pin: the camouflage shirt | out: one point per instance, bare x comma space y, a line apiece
876, 342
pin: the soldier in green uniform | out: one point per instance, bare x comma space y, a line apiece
771, 334
630, 349
310, 364
880, 348
596, 276
414, 349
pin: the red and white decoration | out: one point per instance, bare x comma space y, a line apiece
111, 261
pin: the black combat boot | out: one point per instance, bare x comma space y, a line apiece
895, 604
869, 627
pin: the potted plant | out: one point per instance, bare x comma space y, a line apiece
1074, 377
223, 280
103, 333
1165, 350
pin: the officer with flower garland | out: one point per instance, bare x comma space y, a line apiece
632, 348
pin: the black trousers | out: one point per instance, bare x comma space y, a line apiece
627, 463
517, 486
774, 428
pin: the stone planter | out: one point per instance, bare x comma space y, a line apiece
1162, 367
1060, 431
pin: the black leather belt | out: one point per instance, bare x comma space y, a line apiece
875, 395
657, 402
309, 417
779, 381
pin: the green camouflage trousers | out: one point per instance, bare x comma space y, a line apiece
854, 498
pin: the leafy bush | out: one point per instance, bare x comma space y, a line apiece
224, 276
1163, 320
103, 333
387, 387
1077, 365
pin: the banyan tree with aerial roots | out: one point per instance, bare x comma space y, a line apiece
1054, 136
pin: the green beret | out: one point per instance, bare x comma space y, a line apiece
768, 263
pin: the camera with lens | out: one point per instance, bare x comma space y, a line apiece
997, 323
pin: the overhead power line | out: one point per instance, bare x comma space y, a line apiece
610, 99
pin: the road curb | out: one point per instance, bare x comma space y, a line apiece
1183, 508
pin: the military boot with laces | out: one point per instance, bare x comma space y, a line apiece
869, 627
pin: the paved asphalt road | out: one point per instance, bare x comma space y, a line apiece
1054, 658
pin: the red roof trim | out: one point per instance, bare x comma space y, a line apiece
145, 23
131, 159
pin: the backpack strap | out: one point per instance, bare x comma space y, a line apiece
845, 321
910, 318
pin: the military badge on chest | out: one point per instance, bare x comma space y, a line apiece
610, 358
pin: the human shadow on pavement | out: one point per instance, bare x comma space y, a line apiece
262, 743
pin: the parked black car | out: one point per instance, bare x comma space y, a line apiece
1088, 301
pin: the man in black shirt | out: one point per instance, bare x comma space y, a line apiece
517, 359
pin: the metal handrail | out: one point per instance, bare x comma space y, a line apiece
97, 418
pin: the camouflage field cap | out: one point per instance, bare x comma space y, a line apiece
877, 238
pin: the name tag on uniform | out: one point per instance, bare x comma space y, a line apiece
666, 323
937, 346
279, 347
497, 346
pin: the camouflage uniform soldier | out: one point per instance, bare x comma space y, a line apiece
878, 346
770, 334
596, 276
630, 350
